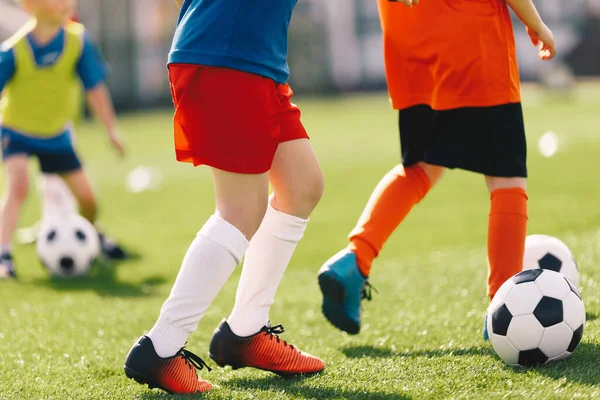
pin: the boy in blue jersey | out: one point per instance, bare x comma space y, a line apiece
228, 72
41, 69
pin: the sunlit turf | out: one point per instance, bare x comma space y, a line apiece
421, 336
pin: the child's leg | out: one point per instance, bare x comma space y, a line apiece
228, 120
56, 197
218, 248
507, 229
80, 186
391, 201
297, 183
17, 187
343, 277
247, 339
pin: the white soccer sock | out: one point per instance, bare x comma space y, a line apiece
267, 258
57, 198
211, 258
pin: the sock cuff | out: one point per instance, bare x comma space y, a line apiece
168, 338
509, 191
246, 320
419, 179
509, 201
225, 234
283, 226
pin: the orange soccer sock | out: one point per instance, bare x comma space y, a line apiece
391, 201
507, 228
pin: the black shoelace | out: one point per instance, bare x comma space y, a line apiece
365, 293
273, 331
193, 361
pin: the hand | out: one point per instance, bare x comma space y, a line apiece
544, 39
116, 142
407, 3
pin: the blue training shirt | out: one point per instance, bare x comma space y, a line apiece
247, 35
91, 67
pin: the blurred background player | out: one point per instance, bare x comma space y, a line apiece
456, 86
228, 71
56, 197
41, 67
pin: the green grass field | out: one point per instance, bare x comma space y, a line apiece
421, 336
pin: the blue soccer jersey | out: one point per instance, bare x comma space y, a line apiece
246, 35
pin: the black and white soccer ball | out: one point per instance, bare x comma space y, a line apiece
67, 245
548, 252
536, 317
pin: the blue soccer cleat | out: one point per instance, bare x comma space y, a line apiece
343, 288
486, 337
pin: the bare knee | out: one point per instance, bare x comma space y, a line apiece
310, 193
433, 172
246, 218
496, 182
300, 198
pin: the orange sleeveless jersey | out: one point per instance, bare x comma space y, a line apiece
449, 54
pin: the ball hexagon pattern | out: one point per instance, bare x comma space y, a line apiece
556, 339
549, 253
536, 317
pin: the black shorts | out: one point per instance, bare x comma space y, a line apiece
487, 140
56, 155
58, 163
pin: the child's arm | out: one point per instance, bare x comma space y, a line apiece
93, 72
7, 67
537, 30
99, 101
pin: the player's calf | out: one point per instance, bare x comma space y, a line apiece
507, 230
81, 187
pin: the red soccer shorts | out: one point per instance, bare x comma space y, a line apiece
229, 119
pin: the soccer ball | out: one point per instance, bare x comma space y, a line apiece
547, 252
536, 317
67, 245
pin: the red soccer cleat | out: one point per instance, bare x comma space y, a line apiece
175, 374
263, 350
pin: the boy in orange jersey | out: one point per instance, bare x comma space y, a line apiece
452, 73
